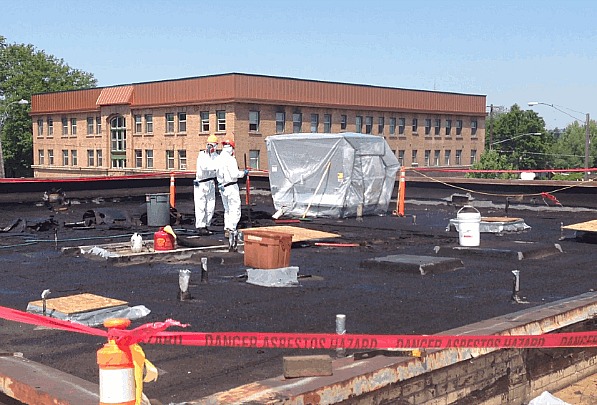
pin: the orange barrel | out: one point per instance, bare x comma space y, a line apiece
162, 240
116, 370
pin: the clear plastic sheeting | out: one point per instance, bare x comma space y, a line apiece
493, 226
547, 399
331, 175
94, 318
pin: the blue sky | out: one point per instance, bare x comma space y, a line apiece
510, 51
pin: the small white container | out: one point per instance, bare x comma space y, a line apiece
469, 221
136, 243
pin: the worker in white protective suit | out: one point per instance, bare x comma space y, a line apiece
228, 174
204, 190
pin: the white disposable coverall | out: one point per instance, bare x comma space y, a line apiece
228, 175
204, 190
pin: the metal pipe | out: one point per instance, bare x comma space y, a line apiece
340, 330
204, 273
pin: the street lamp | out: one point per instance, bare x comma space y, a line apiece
587, 132
3, 117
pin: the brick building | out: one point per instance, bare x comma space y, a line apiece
161, 126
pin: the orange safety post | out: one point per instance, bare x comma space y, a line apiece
172, 191
401, 190
116, 369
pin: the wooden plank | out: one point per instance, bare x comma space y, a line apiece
298, 234
74, 304
500, 219
589, 226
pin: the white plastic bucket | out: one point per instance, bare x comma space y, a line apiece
469, 220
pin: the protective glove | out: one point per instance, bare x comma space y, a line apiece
196, 183
246, 172
221, 188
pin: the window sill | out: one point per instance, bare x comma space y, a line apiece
256, 134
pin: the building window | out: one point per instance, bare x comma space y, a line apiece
415, 125
448, 127
458, 127
401, 157
458, 157
427, 157
221, 116
447, 156
118, 162
473, 156
90, 125
169, 159
118, 134
73, 126
73, 158
413, 159
204, 115
438, 125
98, 125
40, 156
90, 158
50, 123
474, 128
392, 126
169, 123
40, 127
327, 123
100, 157
254, 159
401, 125
427, 126
358, 124
368, 125
149, 123
297, 122
436, 157
343, 121
314, 122
182, 122
253, 121
51, 157
64, 157
182, 159
138, 158
149, 158
280, 122
138, 124
64, 126
380, 125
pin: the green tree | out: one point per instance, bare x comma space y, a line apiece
520, 141
24, 71
493, 160
568, 150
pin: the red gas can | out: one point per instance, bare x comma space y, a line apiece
163, 240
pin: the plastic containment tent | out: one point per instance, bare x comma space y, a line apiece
331, 175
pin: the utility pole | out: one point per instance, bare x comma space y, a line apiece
491, 126
587, 146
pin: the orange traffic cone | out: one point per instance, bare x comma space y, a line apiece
116, 370
172, 191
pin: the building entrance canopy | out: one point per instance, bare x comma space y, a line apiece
331, 175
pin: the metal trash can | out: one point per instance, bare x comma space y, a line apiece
158, 209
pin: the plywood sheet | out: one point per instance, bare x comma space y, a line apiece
500, 219
298, 234
589, 226
78, 303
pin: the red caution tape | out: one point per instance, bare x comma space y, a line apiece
154, 333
